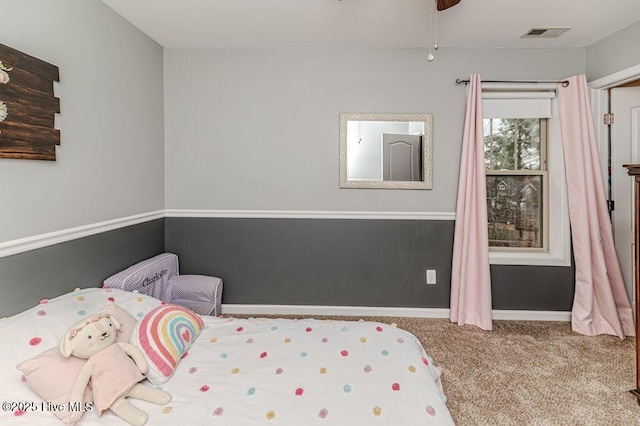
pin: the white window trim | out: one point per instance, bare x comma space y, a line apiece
559, 253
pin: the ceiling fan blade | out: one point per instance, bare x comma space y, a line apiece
446, 4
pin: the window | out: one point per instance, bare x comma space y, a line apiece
528, 220
516, 168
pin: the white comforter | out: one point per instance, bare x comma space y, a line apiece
249, 371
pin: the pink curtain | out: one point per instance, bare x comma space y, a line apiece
600, 304
470, 275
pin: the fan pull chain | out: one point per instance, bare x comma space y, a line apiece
430, 57
435, 44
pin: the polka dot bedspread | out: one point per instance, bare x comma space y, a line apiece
253, 371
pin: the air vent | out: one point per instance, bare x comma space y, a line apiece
545, 32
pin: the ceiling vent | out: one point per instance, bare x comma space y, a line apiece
545, 32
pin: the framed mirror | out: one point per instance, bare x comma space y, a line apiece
386, 151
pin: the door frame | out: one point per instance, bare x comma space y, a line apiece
599, 94
600, 105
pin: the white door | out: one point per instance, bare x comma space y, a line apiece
401, 157
625, 149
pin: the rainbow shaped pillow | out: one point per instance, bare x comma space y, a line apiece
164, 335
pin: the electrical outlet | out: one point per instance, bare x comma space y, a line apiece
431, 276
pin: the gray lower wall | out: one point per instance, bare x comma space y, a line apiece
532, 288
26, 278
347, 262
332, 262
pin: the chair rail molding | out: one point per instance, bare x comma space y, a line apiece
310, 214
21, 245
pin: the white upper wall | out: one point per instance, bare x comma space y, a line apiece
245, 128
257, 129
619, 51
110, 163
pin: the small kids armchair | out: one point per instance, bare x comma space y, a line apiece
159, 277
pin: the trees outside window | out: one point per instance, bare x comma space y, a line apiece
515, 161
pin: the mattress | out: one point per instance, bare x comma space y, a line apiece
251, 371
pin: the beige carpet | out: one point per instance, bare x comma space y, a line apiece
529, 372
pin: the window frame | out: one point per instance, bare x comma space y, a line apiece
558, 251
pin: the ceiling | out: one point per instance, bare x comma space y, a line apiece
373, 23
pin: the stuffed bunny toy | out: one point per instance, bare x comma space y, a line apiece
115, 370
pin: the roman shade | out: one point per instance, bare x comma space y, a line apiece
517, 104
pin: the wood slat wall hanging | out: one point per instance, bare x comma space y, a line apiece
27, 106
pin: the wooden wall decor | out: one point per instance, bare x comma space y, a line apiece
28, 106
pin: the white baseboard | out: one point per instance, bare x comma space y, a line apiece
43, 240
366, 311
564, 316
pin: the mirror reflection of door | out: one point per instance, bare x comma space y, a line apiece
401, 157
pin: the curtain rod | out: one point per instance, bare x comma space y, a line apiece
564, 83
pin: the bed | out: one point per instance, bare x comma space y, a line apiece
245, 371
